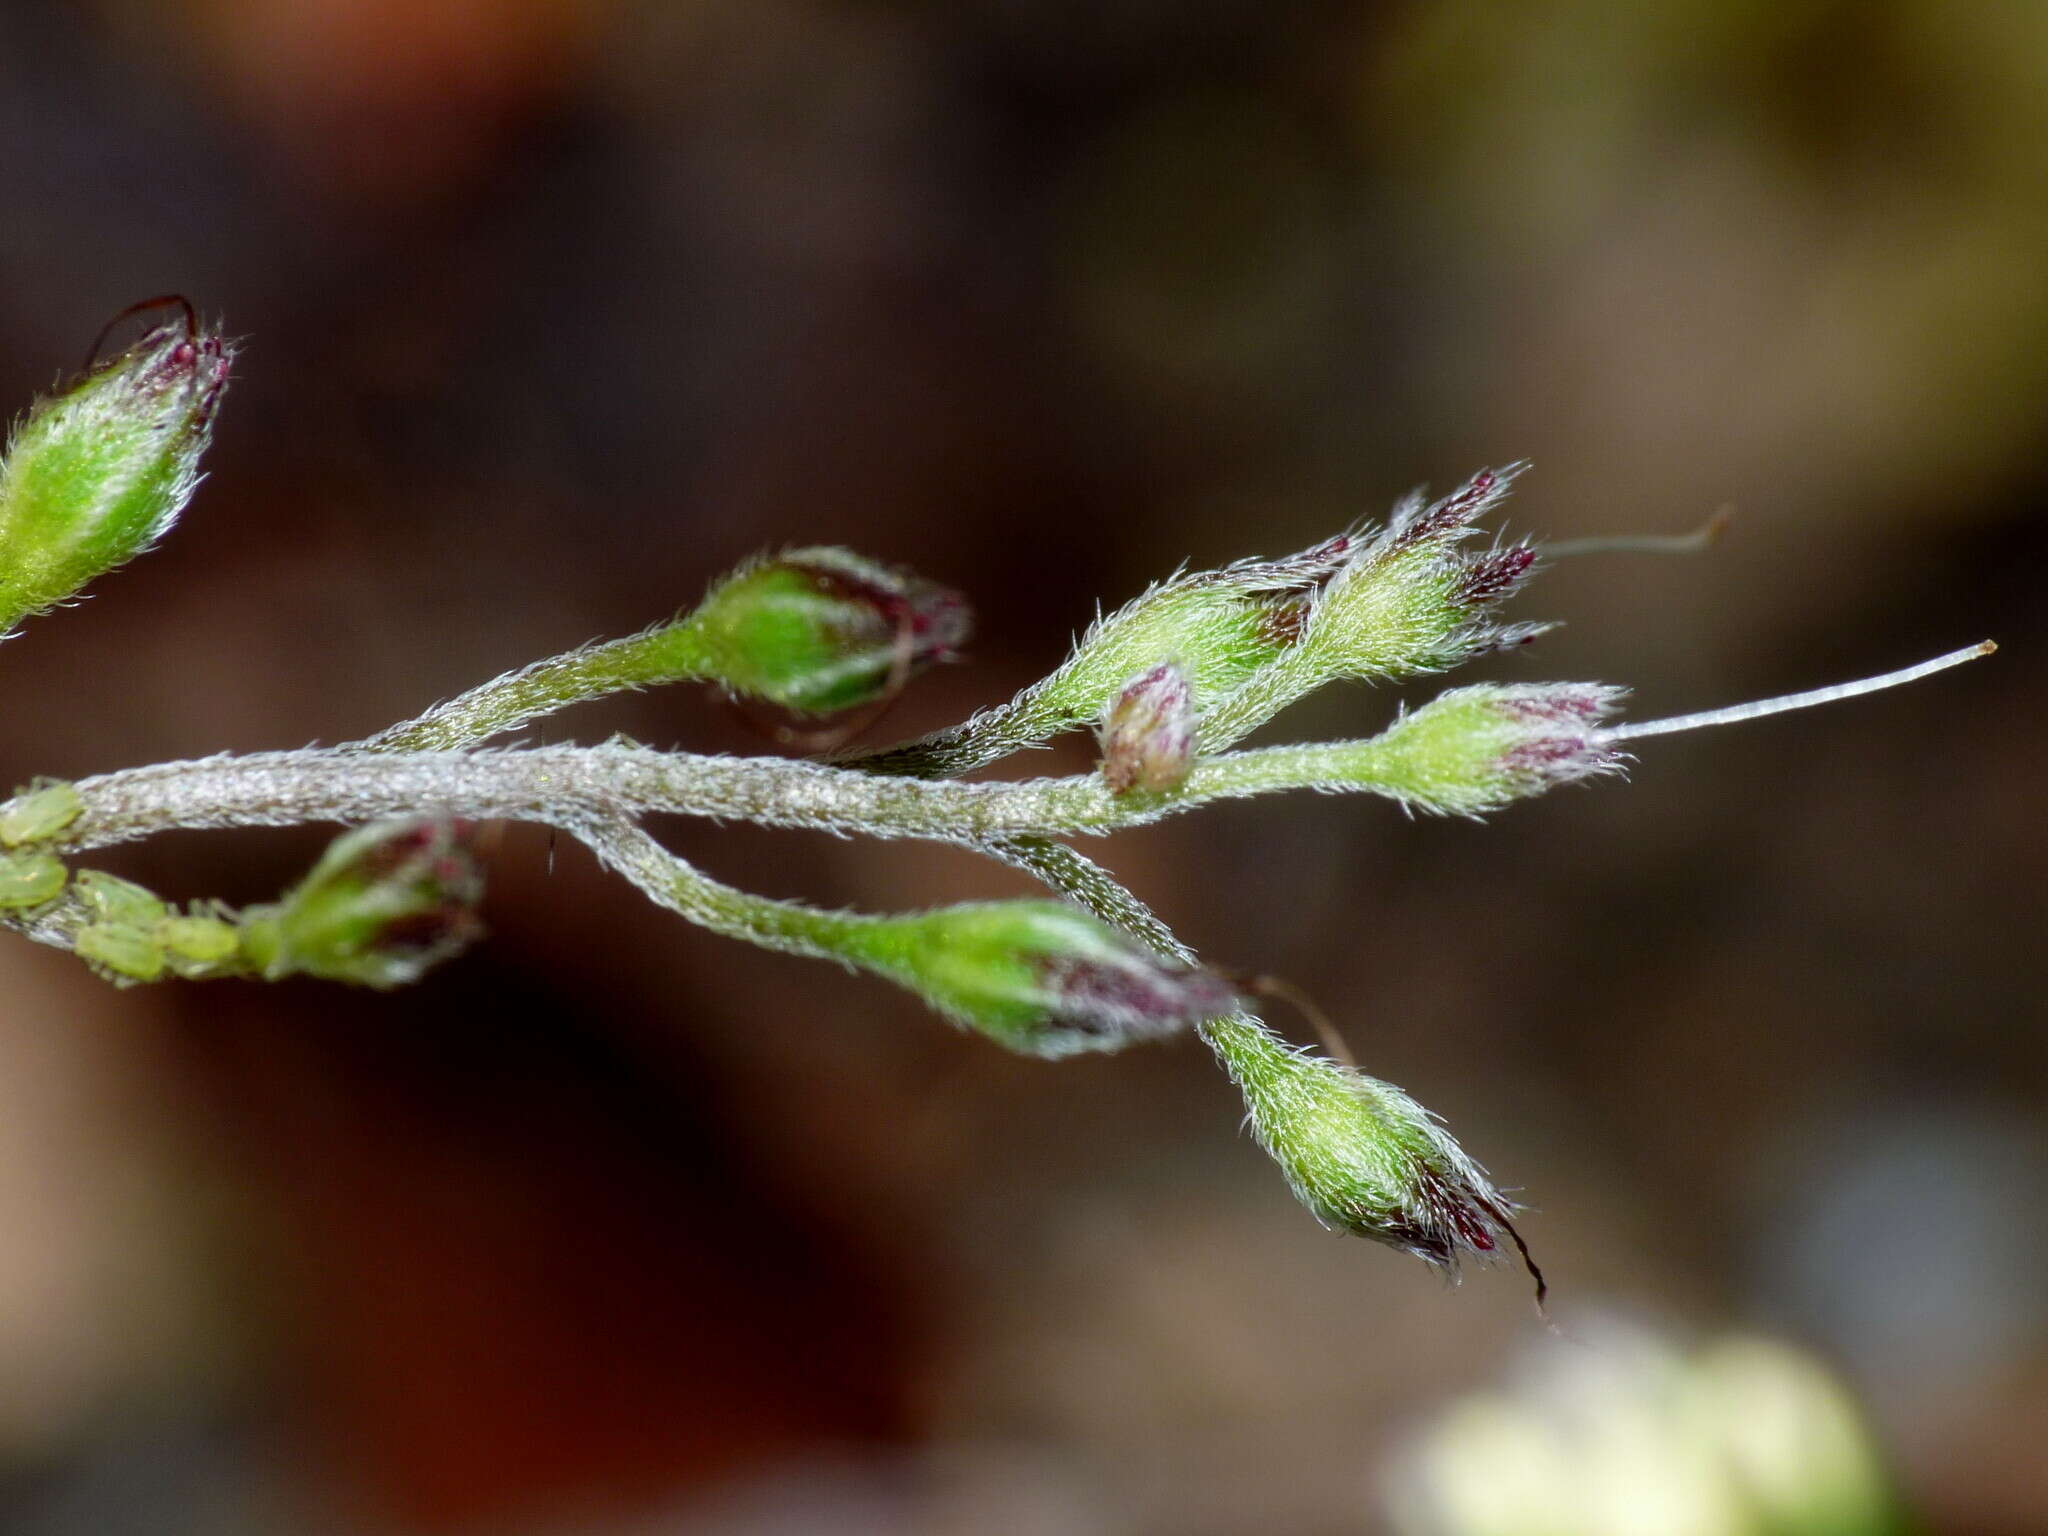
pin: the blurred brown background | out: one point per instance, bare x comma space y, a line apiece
557, 308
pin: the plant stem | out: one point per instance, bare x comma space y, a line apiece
668, 653
565, 785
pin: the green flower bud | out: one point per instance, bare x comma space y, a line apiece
30, 879
98, 473
1219, 628
820, 630
1473, 750
119, 952
385, 903
39, 813
1148, 733
1411, 600
110, 899
1364, 1157
1040, 977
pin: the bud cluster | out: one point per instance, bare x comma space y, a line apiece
1249, 639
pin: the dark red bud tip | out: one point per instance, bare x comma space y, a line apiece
933, 621
1491, 577
1453, 513
178, 358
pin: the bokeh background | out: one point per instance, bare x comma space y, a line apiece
557, 308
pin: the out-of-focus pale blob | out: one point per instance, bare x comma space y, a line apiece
1619, 1433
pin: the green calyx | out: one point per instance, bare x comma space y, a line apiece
384, 904
98, 472
822, 630
1360, 1154
1474, 750
1040, 977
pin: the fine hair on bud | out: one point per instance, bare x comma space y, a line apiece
98, 472
822, 630
385, 904
1148, 732
1473, 750
1040, 977
1366, 1159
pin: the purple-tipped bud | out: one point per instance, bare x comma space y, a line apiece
1366, 1158
96, 474
1416, 522
820, 630
385, 903
1148, 732
1041, 977
1559, 739
1493, 576
1473, 750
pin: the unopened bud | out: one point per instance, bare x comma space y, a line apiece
1473, 750
1148, 732
1040, 977
96, 474
1367, 1159
385, 903
819, 630
1411, 600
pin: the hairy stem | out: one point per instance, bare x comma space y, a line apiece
566, 785
1241, 1041
668, 653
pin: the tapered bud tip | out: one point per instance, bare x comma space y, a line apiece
385, 904
1409, 599
1040, 977
1494, 576
1473, 750
1367, 1159
1148, 732
98, 473
1558, 736
1416, 521
821, 630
